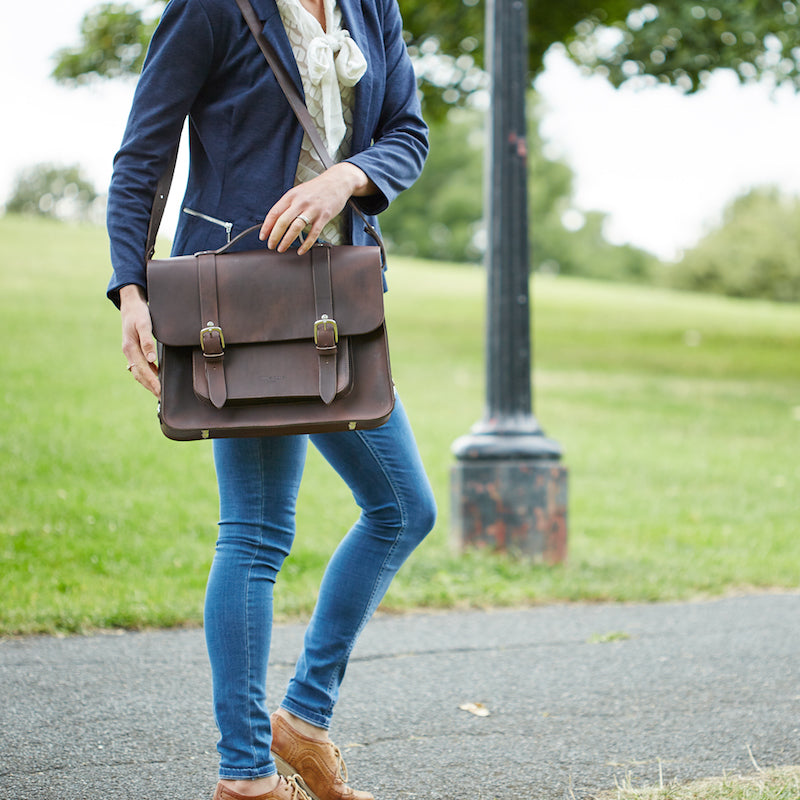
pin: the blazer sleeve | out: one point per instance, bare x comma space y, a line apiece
178, 61
400, 141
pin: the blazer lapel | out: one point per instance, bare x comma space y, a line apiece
273, 29
353, 23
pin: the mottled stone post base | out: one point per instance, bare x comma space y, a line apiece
510, 505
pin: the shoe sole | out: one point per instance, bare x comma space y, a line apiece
287, 770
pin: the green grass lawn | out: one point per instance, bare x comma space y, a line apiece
679, 415
782, 783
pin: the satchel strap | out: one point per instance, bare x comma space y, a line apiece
326, 331
303, 116
212, 340
160, 203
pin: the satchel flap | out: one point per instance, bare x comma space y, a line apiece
258, 373
265, 296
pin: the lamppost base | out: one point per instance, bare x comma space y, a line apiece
509, 494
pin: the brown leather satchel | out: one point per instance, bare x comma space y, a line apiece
261, 343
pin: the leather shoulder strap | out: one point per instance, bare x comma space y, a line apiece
159, 204
285, 81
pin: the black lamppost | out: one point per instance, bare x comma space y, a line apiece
509, 489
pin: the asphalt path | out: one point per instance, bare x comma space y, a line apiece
579, 698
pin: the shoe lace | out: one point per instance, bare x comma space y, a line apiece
298, 793
340, 762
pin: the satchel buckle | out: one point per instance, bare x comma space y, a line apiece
211, 328
323, 322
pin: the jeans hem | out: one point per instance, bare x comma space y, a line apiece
246, 774
307, 716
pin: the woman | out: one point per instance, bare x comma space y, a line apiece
249, 156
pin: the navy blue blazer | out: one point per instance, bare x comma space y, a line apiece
204, 63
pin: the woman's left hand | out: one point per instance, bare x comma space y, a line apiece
313, 203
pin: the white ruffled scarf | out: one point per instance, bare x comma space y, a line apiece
332, 58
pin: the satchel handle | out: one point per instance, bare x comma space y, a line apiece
233, 241
303, 117
247, 231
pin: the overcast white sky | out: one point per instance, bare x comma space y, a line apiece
661, 164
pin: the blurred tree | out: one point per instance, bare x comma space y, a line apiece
680, 42
113, 43
114, 37
755, 252
677, 42
48, 190
671, 41
443, 217
577, 246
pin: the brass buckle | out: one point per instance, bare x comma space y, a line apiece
211, 328
323, 322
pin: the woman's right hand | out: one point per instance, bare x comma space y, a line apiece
137, 338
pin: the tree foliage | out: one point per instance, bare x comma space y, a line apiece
113, 36
753, 253
113, 43
48, 190
446, 39
681, 42
673, 41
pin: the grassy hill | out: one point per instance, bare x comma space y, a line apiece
679, 415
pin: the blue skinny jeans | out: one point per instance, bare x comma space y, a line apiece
258, 483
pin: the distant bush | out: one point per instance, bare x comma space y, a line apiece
584, 251
442, 214
48, 190
754, 253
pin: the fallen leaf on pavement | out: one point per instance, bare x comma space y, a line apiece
478, 709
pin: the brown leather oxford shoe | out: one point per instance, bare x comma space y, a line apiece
287, 789
318, 763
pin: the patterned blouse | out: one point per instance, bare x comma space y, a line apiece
330, 65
